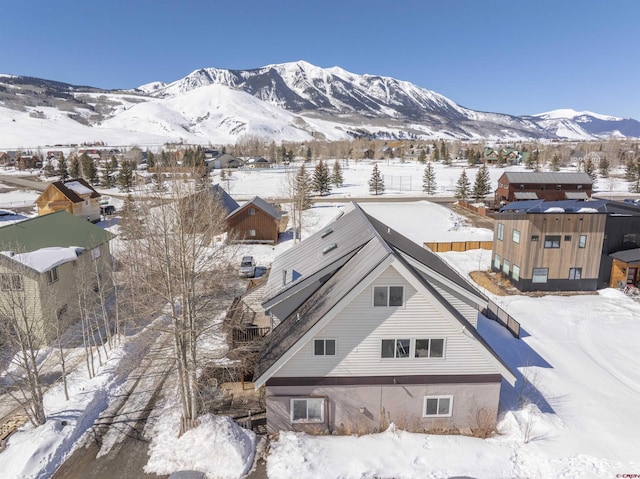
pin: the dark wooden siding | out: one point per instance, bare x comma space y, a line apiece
264, 225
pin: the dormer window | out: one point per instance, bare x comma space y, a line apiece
329, 247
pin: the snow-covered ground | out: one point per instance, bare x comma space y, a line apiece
572, 414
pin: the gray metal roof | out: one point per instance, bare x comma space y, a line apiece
628, 256
349, 231
576, 195
525, 195
258, 202
548, 177
228, 203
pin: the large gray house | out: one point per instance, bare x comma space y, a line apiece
370, 328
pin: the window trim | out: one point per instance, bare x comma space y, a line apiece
546, 277
388, 296
552, 241
515, 274
324, 347
515, 236
252, 211
415, 348
500, 232
395, 348
52, 275
307, 420
582, 241
438, 397
572, 274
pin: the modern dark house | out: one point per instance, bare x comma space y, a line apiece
568, 245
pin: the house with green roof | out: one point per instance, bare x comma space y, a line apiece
46, 264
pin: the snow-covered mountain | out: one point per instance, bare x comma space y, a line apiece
291, 101
567, 123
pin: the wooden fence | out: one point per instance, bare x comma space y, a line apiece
498, 314
445, 247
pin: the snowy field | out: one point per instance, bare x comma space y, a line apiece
572, 414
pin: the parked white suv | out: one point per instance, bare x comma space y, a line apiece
247, 267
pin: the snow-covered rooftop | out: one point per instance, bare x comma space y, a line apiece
45, 259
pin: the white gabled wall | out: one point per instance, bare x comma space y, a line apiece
359, 329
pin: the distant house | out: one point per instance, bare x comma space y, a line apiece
259, 162
74, 196
371, 328
256, 221
223, 160
43, 263
228, 203
518, 185
567, 245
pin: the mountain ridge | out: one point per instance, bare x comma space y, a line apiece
294, 101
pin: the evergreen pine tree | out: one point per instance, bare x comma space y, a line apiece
590, 168
125, 176
603, 167
321, 179
422, 157
74, 167
302, 188
114, 163
463, 187
429, 179
501, 160
151, 159
376, 183
89, 169
436, 154
63, 170
555, 162
482, 184
336, 176
309, 155
107, 176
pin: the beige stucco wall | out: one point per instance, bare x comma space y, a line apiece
365, 409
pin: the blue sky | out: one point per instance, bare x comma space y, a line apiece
508, 56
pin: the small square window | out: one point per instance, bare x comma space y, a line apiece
540, 275
324, 347
575, 273
252, 211
388, 295
552, 242
307, 410
567, 237
438, 406
252, 232
535, 237
429, 348
395, 348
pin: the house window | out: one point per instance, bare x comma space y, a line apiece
10, 282
558, 187
395, 348
438, 406
540, 275
515, 272
252, 211
496, 262
52, 275
535, 237
575, 273
429, 348
630, 238
252, 232
388, 295
552, 241
324, 347
505, 267
583, 241
95, 252
500, 233
567, 237
307, 410
515, 236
